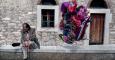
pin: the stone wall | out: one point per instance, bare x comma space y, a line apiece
14, 13
112, 24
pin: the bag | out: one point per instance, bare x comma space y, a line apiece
15, 44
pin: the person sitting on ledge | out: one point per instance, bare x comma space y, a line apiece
29, 40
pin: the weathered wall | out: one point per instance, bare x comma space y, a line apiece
13, 13
112, 24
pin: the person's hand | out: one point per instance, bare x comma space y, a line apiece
26, 43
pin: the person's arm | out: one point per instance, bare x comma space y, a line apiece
33, 33
21, 37
34, 38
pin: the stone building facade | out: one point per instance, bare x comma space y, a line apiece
13, 13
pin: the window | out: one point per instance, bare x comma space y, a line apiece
47, 18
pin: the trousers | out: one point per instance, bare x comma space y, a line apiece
25, 48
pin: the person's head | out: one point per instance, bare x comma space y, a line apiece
26, 27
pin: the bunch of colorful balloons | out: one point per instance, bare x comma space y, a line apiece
74, 21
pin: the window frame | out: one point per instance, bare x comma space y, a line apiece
56, 18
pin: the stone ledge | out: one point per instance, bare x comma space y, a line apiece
67, 49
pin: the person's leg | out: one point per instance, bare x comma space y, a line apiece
24, 50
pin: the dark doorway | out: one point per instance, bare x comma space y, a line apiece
98, 4
48, 2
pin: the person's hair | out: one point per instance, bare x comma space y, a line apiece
27, 26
